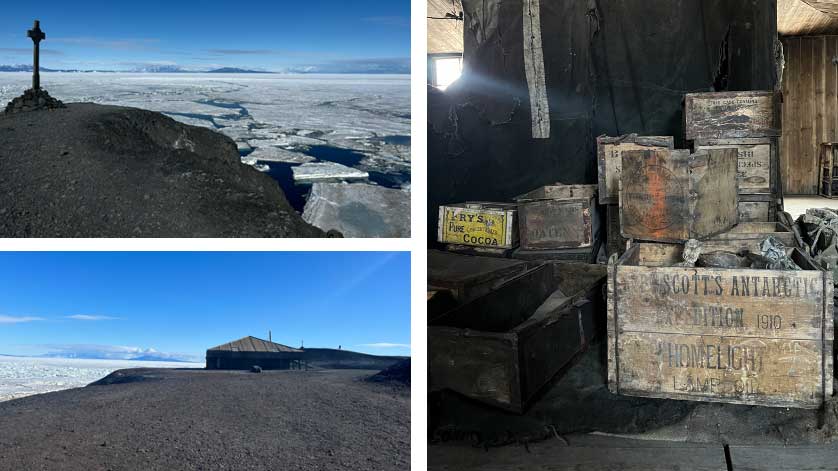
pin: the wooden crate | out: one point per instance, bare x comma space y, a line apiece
558, 217
732, 115
745, 336
609, 158
479, 224
467, 277
503, 348
478, 251
757, 208
583, 255
757, 162
745, 236
672, 195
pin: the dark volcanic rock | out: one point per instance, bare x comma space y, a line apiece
91, 170
399, 373
33, 100
212, 420
124, 377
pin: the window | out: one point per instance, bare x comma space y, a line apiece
445, 70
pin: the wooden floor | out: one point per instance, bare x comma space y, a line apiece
797, 205
605, 453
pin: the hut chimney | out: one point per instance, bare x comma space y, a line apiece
269, 336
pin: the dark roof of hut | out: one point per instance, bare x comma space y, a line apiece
252, 344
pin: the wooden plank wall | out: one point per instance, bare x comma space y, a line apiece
810, 109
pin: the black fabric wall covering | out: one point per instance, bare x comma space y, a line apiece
611, 66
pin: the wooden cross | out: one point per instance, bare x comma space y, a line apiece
37, 36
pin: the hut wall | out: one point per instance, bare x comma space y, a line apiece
245, 360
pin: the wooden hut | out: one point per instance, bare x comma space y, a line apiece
247, 352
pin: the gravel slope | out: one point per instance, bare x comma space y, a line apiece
106, 171
212, 420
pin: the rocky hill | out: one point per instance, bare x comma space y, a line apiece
331, 358
92, 170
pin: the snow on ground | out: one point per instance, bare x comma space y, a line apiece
25, 376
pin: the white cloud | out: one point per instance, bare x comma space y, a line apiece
18, 319
385, 345
86, 317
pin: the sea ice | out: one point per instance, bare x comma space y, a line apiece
24, 376
326, 171
359, 210
276, 154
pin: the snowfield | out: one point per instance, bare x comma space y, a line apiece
25, 376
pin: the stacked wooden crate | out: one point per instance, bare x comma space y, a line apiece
559, 222
609, 160
750, 123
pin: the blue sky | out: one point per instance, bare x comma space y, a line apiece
184, 303
279, 35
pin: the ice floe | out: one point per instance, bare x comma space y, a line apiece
276, 154
326, 171
359, 209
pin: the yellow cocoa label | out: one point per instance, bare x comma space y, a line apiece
474, 227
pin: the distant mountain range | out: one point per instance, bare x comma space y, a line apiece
234, 70
174, 69
94, 356
146, 357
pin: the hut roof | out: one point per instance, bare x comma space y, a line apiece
252, 344
444, 36
807, 17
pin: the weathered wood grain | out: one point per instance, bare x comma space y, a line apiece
761, 337
756, 165
672, 196
584, 255
757, 208
732, 114
558, 217
502, 348
597, 453
767, 372
469, 277
810, 109
713, 192
609, 158
558, 191
480, 224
